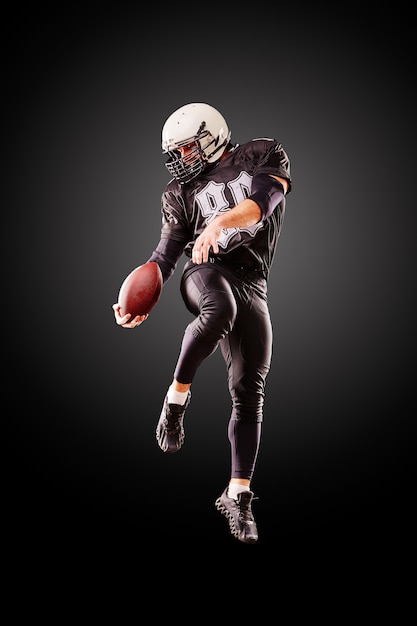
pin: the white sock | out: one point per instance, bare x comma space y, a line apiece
176, 397
234, 489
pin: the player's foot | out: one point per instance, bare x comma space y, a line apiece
170, 433
239, 515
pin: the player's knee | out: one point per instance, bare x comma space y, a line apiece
247, 416
217, 316
248, 407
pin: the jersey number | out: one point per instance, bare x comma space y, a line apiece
212, 201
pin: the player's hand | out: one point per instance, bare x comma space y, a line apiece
203, 243
125, 321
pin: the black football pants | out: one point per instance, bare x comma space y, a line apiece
231, 311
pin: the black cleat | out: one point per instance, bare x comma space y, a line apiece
239, 515
170, 433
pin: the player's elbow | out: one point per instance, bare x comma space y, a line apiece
267, 192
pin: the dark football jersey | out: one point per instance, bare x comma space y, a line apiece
187, 209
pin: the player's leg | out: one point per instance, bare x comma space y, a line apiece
247, 351
208, 295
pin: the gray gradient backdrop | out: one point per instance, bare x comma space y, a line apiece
83, 183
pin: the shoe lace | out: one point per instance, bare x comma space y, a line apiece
172, 420
245, 509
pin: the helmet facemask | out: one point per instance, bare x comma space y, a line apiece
186, 168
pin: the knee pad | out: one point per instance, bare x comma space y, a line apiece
249, 412
217, 315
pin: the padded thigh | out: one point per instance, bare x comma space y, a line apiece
206, 288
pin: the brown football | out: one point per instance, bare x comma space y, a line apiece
141, 290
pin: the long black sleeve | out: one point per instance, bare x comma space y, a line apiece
167, 254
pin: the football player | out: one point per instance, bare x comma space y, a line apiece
223, 209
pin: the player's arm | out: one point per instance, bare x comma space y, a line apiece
267, 192
284, 182
166, 254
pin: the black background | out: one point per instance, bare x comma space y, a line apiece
86, 100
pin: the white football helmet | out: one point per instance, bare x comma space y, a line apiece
199, 124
